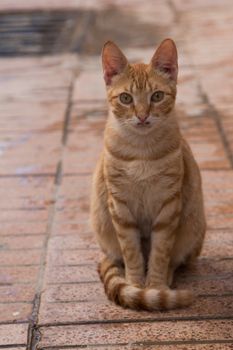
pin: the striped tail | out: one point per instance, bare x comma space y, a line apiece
136, 298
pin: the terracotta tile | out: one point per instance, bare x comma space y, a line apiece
215, 285
82, 154
210, 285
205, 142
221, 54
13, 334
217, 182
70, 228
71, 274
35, 84
73, 188
95, 89
74, 292
183, 5
130, 333
36, 154
88, 109
17, 293
73, 199
15, 312
174, 346
226, 120
22, 228
206, 276
81, 162
20, 215
223, 77
146, 346
24, 274
33, 120
29, 202
217, 346
20, 348
78, 213
137, 54
209, 156
20, 257
221, 221
198, 130
189, 99
27, 116
42, 185
26, 192
105, 310
22, 242
218, 198
218, 249
146, 13
78, 240
218, 244
205, 268
74, 257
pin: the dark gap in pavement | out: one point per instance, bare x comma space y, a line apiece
42, 32
31, 33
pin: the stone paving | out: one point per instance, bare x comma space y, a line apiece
52, 112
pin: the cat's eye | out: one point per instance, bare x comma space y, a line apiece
157, 96
125, 98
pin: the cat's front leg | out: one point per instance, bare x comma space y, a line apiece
129, 239
162, 242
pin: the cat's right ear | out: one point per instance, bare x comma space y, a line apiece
113, 60
165, 59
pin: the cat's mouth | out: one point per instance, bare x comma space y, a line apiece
143, 124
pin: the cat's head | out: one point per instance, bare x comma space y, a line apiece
141, 96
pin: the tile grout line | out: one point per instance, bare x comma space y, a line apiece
141, 344
138, 320
11, 346
145, 343
33, 332
89, 301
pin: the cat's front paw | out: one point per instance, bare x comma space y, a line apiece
136, 281
156, 284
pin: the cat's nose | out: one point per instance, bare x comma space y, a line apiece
142, 118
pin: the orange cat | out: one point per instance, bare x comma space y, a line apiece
146, 205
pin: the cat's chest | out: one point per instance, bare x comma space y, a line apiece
144, 197
148, 185
143, 171
145, 184
145, 187
149, 177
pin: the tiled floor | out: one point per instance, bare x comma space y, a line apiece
52, 114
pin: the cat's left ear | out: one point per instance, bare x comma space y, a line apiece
165, 59
113, 60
